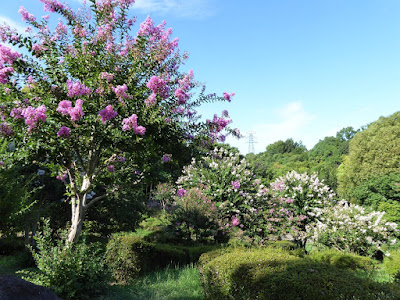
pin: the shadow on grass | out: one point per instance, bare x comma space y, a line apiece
170, 284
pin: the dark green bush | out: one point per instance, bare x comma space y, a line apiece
391, 264
343, 260
10, 246
74, 272
269, 273
128, 256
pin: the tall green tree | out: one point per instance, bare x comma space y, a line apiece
373, 152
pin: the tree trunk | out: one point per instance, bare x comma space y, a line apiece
78, 206
76, 222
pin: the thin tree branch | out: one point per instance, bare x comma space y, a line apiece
94, 200
80, 158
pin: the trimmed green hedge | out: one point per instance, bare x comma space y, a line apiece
129, 256
343, 260
269, 273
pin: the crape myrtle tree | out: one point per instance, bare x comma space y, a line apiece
91, 100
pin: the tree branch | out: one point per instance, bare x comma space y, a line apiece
80, 158
94, 200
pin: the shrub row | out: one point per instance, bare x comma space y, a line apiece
273, 273
129, 256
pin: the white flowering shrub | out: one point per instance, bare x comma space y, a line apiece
230, 184
353, 228
302, 197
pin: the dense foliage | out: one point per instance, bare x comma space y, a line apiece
373, 153
73, 272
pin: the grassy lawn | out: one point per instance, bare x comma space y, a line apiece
172, 284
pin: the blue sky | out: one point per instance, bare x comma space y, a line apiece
300, 69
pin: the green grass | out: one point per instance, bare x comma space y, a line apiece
170, 284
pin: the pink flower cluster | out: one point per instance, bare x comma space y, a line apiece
16, 113
25, 15
52, 5
7, 56
107, 114
64, 131
181, 192
151, 100
228, 97
158, 86
80, 31
218, 124
65, 108
160, 47
131, 124
77, 89
106, 76
166, 157
62, 177
120, 91
32, 116
181, 95
235, 221
236, 184
5, 129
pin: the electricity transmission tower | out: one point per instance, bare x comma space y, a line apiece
251, 141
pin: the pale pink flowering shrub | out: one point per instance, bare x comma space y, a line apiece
107, 114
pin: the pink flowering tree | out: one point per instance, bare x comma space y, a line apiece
89, 98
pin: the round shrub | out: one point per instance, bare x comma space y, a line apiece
128, 256
276, 274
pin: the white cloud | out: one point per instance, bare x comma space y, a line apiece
181, 8
14, 25
293, 121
